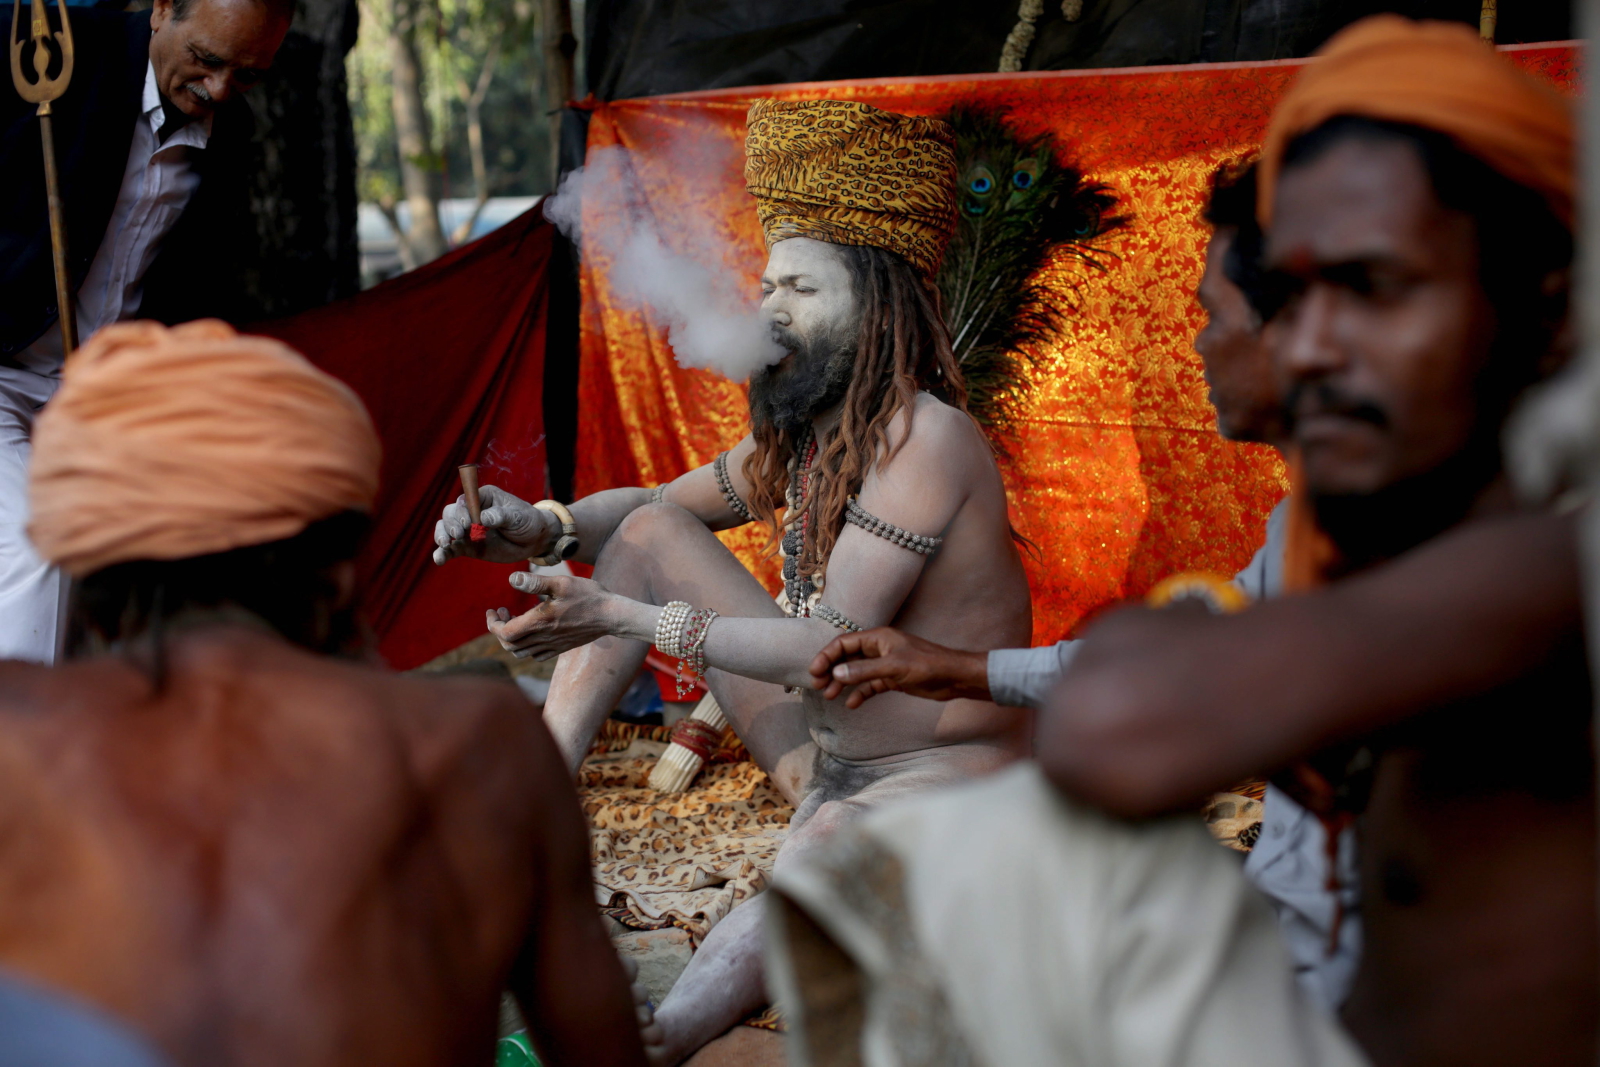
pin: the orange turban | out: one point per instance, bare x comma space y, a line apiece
163, 444
850, 174
1440, 76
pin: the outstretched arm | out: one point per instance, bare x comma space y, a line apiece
517, 530
882, 659
1162, 707
885, 659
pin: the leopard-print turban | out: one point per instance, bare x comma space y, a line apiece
850, 174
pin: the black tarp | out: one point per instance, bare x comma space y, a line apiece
649, 47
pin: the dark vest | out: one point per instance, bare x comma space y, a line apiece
191, 276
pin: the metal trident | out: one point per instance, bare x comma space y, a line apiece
41, 90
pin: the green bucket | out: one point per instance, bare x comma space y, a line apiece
516, 1051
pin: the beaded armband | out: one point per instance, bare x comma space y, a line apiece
719, 467
834, 617
658, 493
855, 513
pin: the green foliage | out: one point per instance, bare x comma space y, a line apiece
1021, 206
453, 42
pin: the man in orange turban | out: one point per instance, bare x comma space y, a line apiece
1435, 694
223, 827
865, 472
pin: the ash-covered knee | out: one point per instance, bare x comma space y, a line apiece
658, 520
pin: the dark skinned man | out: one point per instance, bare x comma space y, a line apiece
1419, 194
152, 140
221, 827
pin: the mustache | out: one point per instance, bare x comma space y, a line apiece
199, 91
787, 338
1310, 399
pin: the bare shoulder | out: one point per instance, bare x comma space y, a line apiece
942, 440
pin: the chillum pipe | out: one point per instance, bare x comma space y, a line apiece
469, 488
66, 314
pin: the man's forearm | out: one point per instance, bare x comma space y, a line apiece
1163, 707
768, 650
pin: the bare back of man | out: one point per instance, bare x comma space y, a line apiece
273, 857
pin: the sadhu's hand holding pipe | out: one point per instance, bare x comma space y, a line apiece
514, 529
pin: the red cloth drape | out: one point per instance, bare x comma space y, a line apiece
450, 361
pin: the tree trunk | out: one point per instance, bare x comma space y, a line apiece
473, 99
424, 241
303, 170
559, 48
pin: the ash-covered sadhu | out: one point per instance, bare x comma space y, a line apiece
879, 490
386, 852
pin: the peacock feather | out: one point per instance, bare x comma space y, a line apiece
1021, 206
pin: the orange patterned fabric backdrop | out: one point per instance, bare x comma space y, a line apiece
1115, 470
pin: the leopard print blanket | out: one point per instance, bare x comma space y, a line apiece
679, 859
686, 859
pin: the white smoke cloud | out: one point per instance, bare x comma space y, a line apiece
711, 315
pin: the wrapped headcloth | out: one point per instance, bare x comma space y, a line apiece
850, 174
163, 444
1439, 76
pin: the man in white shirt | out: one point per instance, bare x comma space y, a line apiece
148, 144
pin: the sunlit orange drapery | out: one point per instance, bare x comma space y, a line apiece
1116, 471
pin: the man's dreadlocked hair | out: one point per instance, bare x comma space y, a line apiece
904, 347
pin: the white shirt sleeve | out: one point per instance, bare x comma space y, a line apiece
1024, 677
1262, 577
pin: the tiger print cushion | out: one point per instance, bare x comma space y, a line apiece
851, 174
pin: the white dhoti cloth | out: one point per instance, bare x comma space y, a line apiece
32, 593
1000, 924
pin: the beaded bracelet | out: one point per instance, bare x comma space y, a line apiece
693, 644
669, 627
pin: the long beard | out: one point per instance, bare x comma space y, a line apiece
813, 378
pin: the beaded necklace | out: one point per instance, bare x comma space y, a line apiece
799, 590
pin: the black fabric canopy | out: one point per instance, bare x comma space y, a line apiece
650, 47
